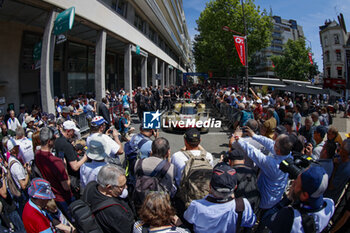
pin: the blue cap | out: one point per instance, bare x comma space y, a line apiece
314, 181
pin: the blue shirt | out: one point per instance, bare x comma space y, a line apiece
125, 100
275, 115
271, 181
146, 148
246, 115
218, 218
339, 181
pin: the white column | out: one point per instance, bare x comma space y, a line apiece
162, 74
127, 70
167, 76
154, 72
144, 72
46, 68
100, 59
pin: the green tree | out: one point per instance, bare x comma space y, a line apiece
214, 48
294, 63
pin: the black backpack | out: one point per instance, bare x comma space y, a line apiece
145, 184
84, 215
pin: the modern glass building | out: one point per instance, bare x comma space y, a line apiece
113, 44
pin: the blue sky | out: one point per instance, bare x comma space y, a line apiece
310, 14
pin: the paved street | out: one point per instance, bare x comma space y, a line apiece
215, 141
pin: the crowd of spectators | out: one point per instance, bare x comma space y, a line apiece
285, 170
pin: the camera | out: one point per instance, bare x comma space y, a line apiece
297, 165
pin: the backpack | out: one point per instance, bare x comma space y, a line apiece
84, 215
145, 184
12, 186
195, 178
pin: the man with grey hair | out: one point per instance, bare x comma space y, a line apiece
53, 170
272, 181
341, 172
221, 201
12, 122
110, 185
26, 152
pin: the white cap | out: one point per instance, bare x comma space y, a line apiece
259, 101
11, 143
70, 125
98, 148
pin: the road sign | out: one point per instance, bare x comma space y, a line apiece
64, 21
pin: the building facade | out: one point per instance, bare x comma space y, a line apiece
113, 44
282, 31
334, 39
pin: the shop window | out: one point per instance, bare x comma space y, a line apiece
340, 72
328, 72
327, 56
336, 39
325, 41
338, 55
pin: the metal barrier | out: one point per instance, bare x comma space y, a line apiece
82, 122
229, 114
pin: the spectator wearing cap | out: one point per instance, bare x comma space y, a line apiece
98, 150
19, 173
272, 181
61, 103
44, 120
53, 169
65, 114
246, 178
98, 126
65, 150
192, 139
307, 198
217, 211
124, 126
341, 172
35, 216
25, 146
319, 134
12, 122
258, 111
31, 128
307, 130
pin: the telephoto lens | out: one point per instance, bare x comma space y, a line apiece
288, 166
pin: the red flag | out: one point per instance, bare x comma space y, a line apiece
310, 58
240, 46
273, 65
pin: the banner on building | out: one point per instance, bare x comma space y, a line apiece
348, 69
240, 46
310, 58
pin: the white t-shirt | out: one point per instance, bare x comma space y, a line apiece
25, 149
89, 171
17, 171
114, 146
179, 161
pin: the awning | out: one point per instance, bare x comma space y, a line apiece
300, 89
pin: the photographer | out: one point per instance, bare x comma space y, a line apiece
309, 212
272, 181
98, 126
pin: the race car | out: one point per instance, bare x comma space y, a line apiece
186, 114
